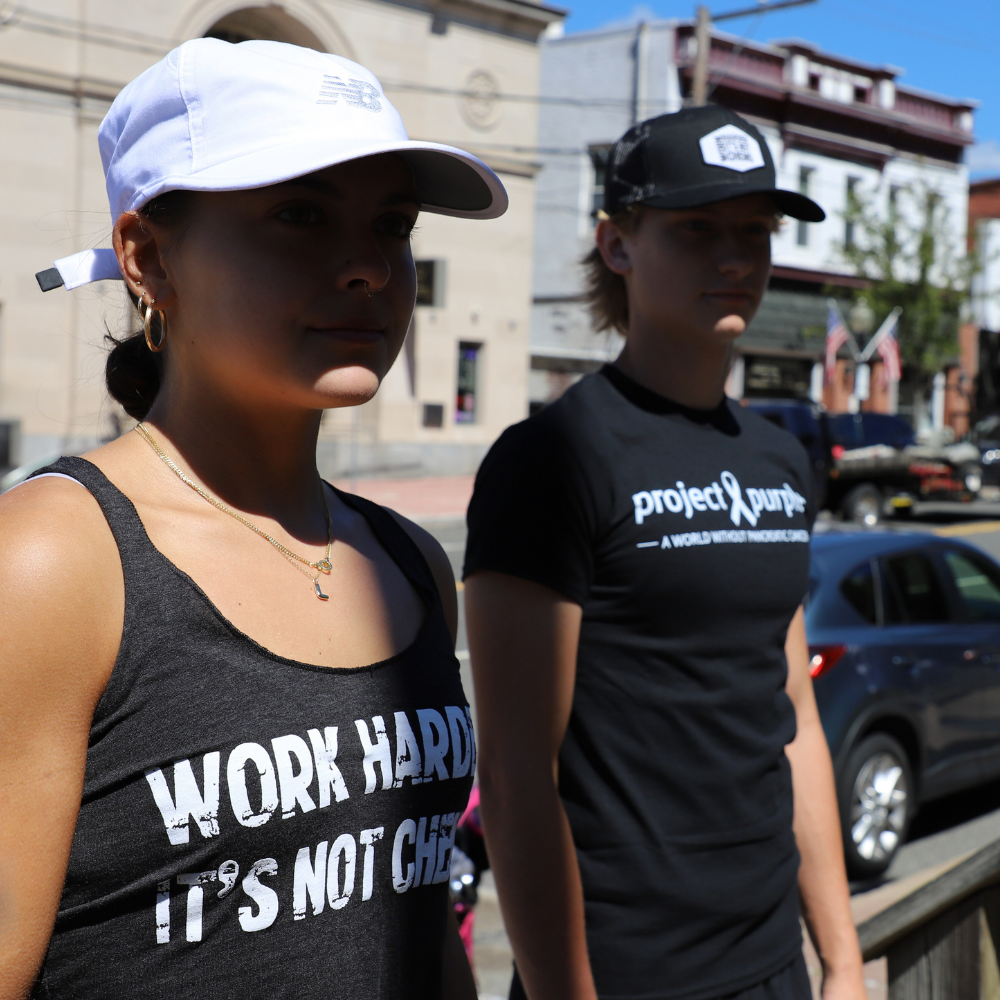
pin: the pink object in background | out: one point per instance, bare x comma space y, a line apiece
470, 823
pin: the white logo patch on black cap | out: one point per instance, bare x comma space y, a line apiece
732, 148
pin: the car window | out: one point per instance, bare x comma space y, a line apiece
914, 593
858, 587
977, 586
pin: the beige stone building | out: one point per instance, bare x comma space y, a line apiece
459, 71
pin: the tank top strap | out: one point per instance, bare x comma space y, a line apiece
400, 546
134, 546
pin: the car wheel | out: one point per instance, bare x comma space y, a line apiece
863, 505
876, 804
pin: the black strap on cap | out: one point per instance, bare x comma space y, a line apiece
47, 280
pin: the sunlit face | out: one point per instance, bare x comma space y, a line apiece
694, 273
267, 290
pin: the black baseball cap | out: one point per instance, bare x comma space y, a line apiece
695, 157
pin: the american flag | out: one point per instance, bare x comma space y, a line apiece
888, 351
836, 337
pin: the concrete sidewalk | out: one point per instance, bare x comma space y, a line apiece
434, 498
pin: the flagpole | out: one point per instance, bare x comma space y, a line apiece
855, 350
884, 330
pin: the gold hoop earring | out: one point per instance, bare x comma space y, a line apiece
147, 319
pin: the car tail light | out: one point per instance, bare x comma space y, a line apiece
823, 659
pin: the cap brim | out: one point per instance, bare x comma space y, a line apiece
798, 206
449, 181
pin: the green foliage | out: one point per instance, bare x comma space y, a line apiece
909, 256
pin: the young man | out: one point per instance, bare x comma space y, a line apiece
637, 557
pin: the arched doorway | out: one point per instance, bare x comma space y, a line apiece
270, 23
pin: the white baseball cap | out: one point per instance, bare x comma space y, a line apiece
212, 116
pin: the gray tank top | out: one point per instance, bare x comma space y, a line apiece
252, 826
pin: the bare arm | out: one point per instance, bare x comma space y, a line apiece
523, 639
61, 608
822, 876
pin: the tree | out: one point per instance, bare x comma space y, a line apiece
909, 255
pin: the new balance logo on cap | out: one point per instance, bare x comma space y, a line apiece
358, 93
732, 148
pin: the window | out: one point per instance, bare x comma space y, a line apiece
977, 586
851, 210
599, 159
893, 202
814, 82
468, 378
430, 282
433, 415
802, 230
913, 591
859, 590
861, 95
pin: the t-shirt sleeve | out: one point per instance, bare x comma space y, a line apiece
532, 513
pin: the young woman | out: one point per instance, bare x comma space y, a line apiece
234, 745
644, 726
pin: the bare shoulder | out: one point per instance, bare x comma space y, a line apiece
61, 581
38, 517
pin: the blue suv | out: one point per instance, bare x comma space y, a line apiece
904, 634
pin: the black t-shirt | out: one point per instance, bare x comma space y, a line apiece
683, 535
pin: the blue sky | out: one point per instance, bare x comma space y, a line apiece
952, 48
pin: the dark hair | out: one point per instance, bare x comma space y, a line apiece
605, 294
133, 373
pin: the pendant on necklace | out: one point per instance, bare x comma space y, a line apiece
319, 593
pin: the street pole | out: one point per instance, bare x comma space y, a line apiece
703, 38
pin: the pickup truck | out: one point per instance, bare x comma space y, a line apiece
865, 464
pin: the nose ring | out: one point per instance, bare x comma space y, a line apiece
372, 292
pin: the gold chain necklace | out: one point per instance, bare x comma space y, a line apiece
322, 566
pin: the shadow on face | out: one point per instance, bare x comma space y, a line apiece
296, 295
694, 273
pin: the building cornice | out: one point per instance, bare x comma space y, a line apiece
806, 102
520, 16
543, 13
78, 87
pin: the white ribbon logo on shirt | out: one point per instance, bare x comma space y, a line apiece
738, 507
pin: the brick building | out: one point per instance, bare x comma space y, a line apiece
974, 381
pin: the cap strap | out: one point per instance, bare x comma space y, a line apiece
81, 269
